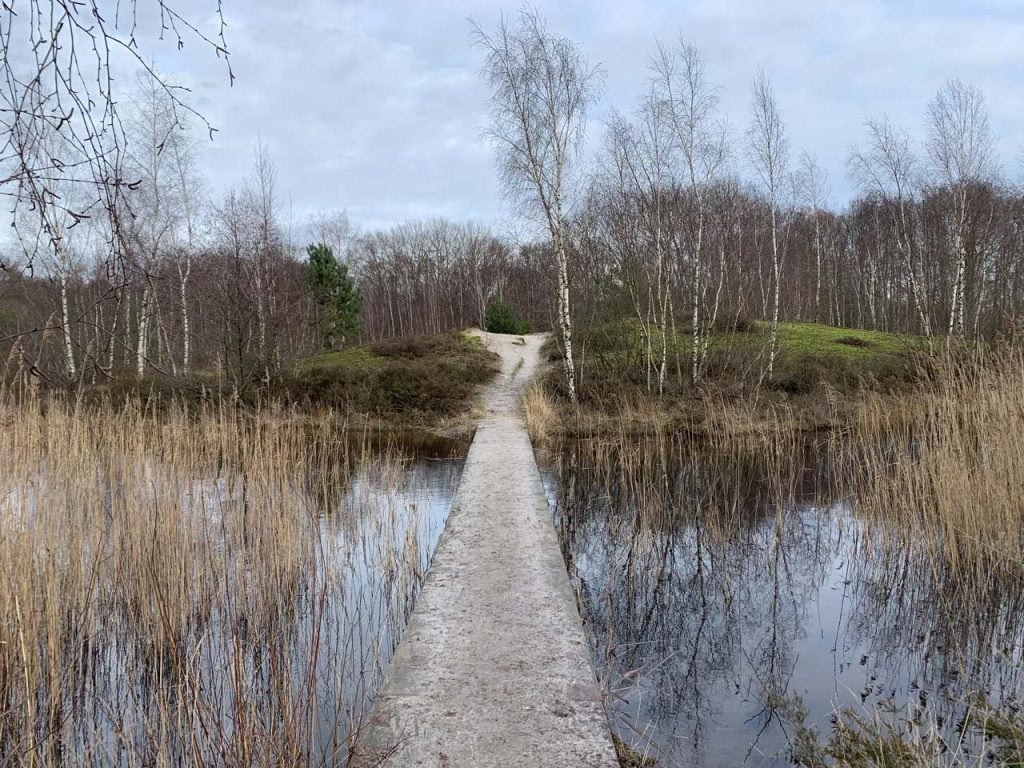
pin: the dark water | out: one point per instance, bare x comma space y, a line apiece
376, 568
713, 594
302, 671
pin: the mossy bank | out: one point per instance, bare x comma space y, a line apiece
820, 375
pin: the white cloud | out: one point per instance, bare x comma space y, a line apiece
377, 107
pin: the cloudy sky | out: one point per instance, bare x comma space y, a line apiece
378, 107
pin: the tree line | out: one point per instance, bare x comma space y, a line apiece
678, 224
226, 287
685, 224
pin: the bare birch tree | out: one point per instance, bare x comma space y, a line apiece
960, 147
155, 217
188, 184
334, 229
636, 167
58, 61
814, 188
541, 88
690, 108
262, 194
887, 168
769, 152
48, 233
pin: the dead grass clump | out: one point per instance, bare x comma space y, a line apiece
891, 738
543, 416
855, 341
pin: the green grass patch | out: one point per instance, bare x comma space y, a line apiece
474, 341
612, 358
355, 358
630, 757
851, 343
811, 355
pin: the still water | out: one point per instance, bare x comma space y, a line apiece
712, 599
292, 664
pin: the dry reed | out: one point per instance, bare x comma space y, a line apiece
944, 468
541, 412
194, 588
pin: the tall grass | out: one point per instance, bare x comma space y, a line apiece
944, 467
206, 587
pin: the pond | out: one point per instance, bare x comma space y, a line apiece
172, 611
724, 593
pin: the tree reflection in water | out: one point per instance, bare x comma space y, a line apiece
715, 584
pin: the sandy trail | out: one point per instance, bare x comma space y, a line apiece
493, 669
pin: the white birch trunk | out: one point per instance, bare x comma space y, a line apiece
65, 327
564, 312
817, 261
142, 347
186, 342
777, 273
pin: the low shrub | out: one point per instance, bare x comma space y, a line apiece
801, 374
740, 323
431, 376
855, 341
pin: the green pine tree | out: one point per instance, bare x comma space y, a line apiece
337, 301
499, 318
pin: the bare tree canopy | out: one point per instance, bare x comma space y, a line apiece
888, 166
541, 87
59, 94
960, 143
961, 150
769, 151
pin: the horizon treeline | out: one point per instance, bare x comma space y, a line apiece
677, 224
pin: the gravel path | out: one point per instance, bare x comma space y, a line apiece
493, 669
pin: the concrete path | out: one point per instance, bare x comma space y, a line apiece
493, 669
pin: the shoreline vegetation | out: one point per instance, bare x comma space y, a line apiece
926, 448
939, 456
200, 583
825, 378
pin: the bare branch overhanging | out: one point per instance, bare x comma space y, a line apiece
60, 124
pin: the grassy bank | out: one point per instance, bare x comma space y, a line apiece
417, 380
821, 373
809, 355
